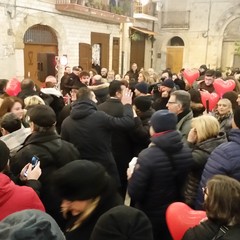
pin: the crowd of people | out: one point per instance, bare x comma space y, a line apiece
66, 153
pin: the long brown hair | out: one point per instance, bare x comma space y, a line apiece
223, 200
8, 103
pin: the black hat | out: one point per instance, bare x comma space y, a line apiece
142, 87
163, 120
4, 155
122, 222
30, 224
80, 180
168, 83
203, 67
237, 117
42, 115
143, 103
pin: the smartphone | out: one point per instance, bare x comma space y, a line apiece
34, 162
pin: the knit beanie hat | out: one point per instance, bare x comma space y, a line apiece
143, 103
80, 180
123, 222
237, 117
30, 225
142, 87
4, 155
168, 83
42, 115
163, 120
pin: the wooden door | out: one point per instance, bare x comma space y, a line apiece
103, 40
115, 55
31, 52
138, 52
85, 56
174, 59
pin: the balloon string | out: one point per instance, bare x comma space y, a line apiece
207, 105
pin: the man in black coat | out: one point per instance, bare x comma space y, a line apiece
27, 89
90, 130
52, 151
121, 142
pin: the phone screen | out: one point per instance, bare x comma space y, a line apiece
34, 161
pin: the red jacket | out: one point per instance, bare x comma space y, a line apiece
14, 198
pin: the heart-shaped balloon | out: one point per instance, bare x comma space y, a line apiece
209, 100
13, 87
191, 75
180, 217
222, 86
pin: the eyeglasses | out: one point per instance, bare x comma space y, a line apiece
204, 190
172, 102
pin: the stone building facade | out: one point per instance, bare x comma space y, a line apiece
179, 34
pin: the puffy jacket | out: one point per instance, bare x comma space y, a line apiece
201, 152
223, 160
14, 198
159, 175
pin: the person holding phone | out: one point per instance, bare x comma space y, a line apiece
53, 153
13, 197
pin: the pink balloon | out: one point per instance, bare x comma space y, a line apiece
13, 87
180, 217
222, 86
191, 75
212, 99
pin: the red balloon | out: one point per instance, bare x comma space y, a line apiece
212, 99
13, 87
180, 217
222, 86
191, 75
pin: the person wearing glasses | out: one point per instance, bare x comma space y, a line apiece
221, 201
179, 103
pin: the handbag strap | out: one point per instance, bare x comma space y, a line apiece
222, 231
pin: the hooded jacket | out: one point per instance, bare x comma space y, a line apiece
224, 160
30, 224
159, 176
90, 131
15, 198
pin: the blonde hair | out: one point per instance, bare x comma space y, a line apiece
33, 100
206, 126
227, 102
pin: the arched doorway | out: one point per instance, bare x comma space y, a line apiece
175, 54
40, 49
231, 41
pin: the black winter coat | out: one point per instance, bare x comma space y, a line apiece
122, 146
207, 230
53, 153
90, 131
140, 134
200, 152
158, 178
83, 232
